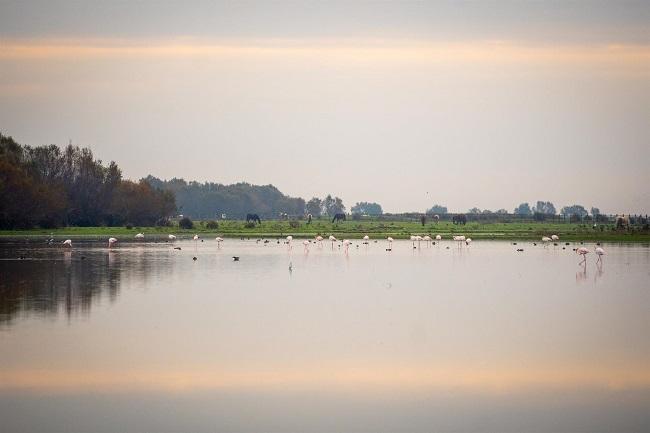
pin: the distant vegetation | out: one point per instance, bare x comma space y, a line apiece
210, 200
47, 186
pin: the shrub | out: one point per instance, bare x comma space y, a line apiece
128, 226
249, 225
186, 223
294, 224
212, 225
163, 222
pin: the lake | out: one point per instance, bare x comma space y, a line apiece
475, 339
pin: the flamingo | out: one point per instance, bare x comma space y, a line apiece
460, 239
346, 244
219, 240
418, 238
366, 238
390, 243
427, 239
319, 239
468, 241
111, 242
306, 244
412, 238
583, 252
555, 237
332, 239
438, 237
289, 239
139, 236
171, 237
600, 253
546, 240
67, 243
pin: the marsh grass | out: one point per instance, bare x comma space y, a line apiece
357, 229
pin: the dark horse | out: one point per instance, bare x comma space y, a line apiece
253, 217
459, 219
338, 217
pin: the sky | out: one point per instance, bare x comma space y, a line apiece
466, 104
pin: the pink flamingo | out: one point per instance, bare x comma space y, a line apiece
111, 242
583, 252
600, 253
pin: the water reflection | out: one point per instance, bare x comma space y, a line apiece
48, 282
389, 333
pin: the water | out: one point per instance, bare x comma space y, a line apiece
144, 338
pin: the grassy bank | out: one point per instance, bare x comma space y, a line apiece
357, 229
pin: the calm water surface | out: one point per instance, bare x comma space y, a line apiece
481, 339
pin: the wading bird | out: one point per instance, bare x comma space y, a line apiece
583, 252
319, 239
306, 245
600, 253
171, 237
139, 236
427, 239
468, 241
460, 239
111, 242
366, 238
67, 243
332, 240
546, 240
346, 244
219, 240
289, 239
555, 237
390, 243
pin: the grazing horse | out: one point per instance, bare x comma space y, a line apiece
423, 220
436, 218
338, 217
253, 217
459, 219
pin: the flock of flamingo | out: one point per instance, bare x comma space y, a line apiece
345, 243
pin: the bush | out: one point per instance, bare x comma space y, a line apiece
163, 222
212, 225
186, 223
249, 225
294, 224
128, 226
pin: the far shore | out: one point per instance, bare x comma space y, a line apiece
349, 229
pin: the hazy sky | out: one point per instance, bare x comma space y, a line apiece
408, 104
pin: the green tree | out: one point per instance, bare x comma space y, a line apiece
523, 209
366, 208
437, 209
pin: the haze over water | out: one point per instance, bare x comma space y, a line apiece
478, 339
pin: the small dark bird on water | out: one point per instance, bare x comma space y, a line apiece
177, 248
389, 249
514, 243
194, 258
520, 250
566, 243
535, 243
235, 258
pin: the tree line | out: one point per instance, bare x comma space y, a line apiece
47, 186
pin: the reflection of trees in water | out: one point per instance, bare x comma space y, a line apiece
55, 281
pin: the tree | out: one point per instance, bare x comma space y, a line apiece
523, 209
437, 209
574, 210
595, 212
474, 211
365, 208
502, 212
544, 207
314, 207
333, 205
